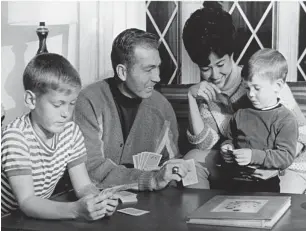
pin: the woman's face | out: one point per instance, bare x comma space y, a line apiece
218, 71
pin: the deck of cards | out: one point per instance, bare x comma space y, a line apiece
147, 161
119, 188
127, 197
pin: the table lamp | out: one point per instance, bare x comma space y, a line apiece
41, 14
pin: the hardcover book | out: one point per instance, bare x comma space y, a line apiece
241, 211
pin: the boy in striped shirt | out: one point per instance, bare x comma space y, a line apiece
40, 145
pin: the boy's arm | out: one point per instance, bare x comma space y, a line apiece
81, 182
285, 148
90, 207
33, 206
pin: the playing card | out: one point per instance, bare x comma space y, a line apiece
133, 211
152, 161
191, 177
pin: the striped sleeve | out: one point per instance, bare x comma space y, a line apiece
77, 154
15, 156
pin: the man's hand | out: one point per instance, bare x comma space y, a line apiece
243, 156
227, 153
204, 90
165, 174
93, 207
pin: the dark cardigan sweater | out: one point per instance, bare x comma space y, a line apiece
97, 116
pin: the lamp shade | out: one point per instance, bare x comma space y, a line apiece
33, 12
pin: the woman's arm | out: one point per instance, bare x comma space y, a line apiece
195, 119
201, 133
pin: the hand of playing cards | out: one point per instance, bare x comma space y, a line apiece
147, 161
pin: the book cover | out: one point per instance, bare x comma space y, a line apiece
241, 211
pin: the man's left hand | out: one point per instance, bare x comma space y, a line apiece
166, 174
243, 156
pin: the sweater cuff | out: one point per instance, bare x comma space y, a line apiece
196, 139
258, 157
146, 181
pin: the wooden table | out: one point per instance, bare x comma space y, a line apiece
168, 210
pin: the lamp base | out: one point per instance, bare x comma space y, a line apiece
42, 33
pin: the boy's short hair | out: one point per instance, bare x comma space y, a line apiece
267, 63
125, 43
209, 29
49, 71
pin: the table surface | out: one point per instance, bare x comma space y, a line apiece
168, 210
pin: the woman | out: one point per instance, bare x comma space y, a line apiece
208, 37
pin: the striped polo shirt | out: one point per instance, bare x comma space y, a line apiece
24, 153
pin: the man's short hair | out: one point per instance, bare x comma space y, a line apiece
209, 29
267, 63
49, 71
125, 43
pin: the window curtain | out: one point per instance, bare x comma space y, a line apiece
100, 23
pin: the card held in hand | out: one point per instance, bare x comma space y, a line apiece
147, 161
191, 177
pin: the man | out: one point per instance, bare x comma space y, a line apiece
123, 116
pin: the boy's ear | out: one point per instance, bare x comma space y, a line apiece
30, 99
121, 72
278, 85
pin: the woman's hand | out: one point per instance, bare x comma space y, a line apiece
204, 90
93, 207
227, 153
165, 174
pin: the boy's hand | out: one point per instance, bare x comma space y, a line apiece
227, 153
243, 156
93, 207
112, 204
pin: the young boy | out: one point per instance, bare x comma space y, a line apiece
39, 146
264, 133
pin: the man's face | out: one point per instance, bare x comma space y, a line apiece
218, 71
143, 72
262, 92
53, 110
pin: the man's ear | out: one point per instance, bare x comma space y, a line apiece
121, 72
278, 85
30, 99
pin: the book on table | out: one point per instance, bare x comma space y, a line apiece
241, 211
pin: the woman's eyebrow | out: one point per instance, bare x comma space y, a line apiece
220, 61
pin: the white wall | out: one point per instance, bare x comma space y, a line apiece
19, 44
85, 40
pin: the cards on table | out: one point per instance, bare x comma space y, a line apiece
119, 188
133, 211
191, 177
127, 197
147, 161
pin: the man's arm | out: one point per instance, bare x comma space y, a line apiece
103, 171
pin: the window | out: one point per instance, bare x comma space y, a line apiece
162, 19
301, 64
258, 24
